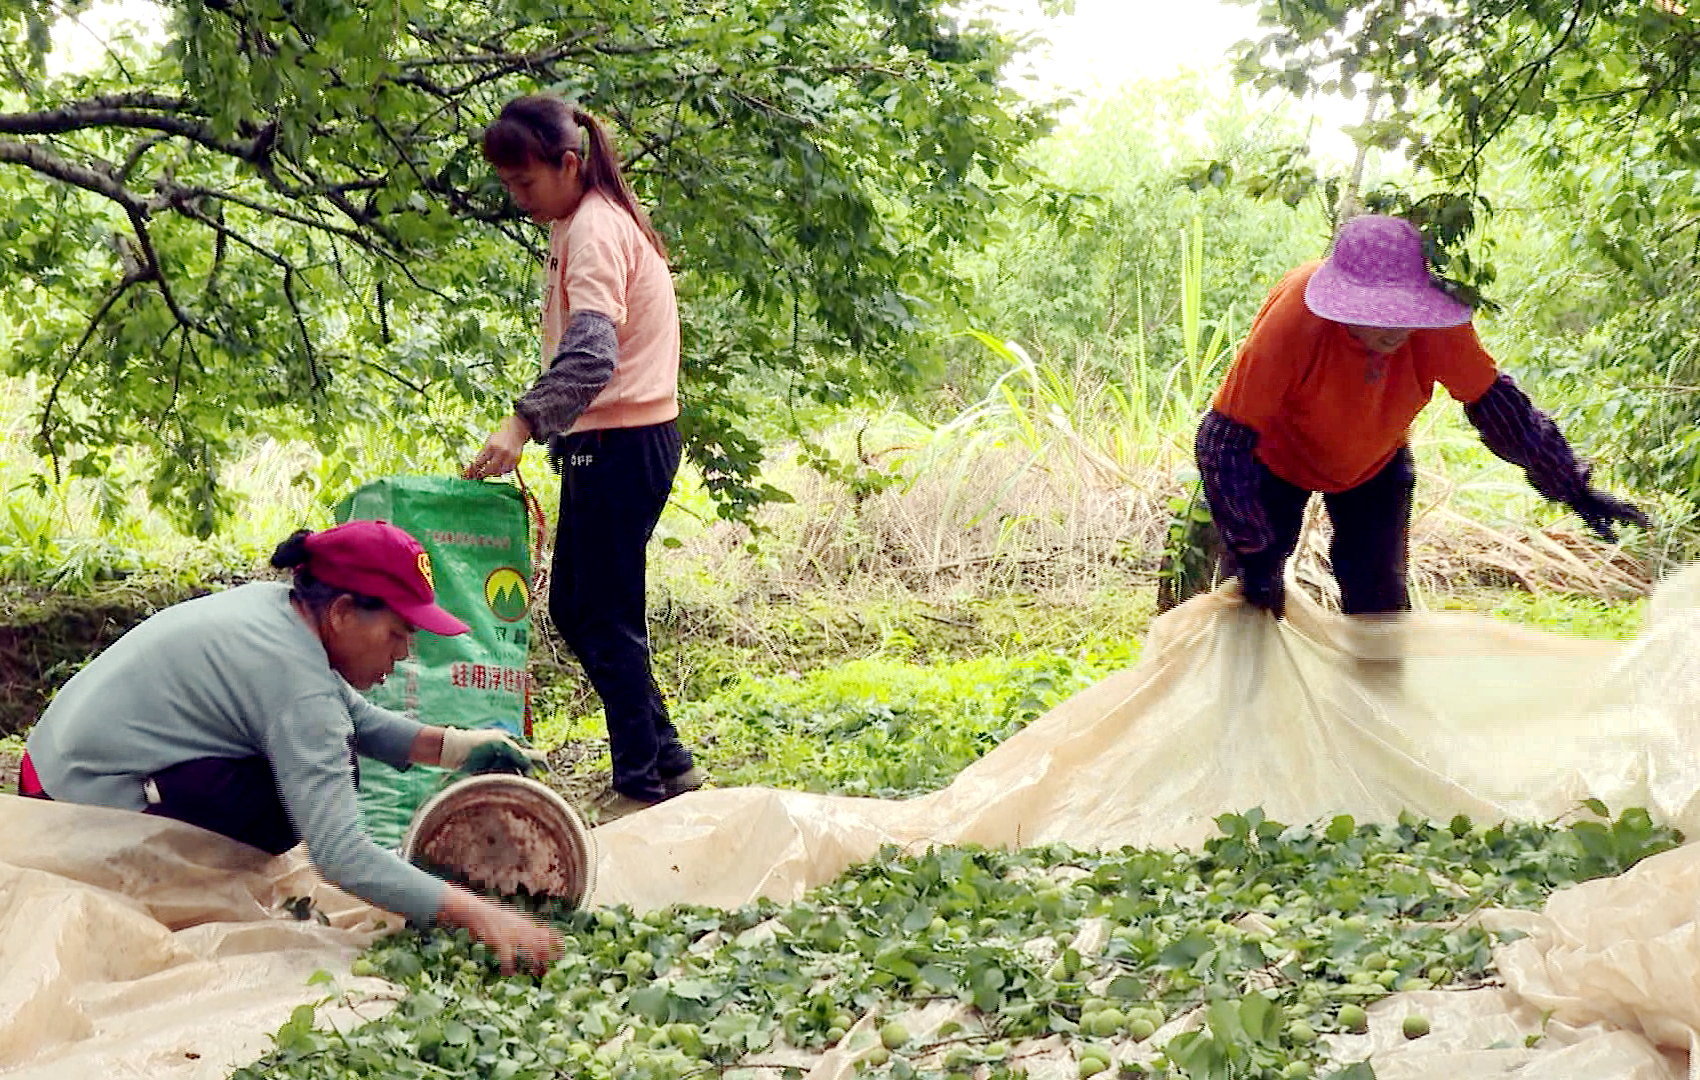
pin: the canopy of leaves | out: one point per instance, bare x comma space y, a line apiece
276, 219
1459, 74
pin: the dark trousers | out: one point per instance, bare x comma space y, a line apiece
614, 484
236, 797
1372, 533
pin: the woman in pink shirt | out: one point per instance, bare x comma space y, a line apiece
606, 405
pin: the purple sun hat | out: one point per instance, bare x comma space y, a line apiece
1377, 276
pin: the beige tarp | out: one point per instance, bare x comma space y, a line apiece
133, 947
127, 945
1229, 710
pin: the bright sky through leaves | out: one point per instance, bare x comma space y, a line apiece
1106, 44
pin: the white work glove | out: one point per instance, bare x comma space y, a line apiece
458, 744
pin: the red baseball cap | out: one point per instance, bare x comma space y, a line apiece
374, 558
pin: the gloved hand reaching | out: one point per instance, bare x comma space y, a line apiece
500, 755
485, 749
1261, 581
1602, 511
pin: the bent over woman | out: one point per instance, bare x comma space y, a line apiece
237, 713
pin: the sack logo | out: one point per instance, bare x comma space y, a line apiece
508, 594
424, 562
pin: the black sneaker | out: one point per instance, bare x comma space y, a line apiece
612, 805
689, 780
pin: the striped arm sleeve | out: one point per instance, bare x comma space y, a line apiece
1516, 431
1232, 482
584, 363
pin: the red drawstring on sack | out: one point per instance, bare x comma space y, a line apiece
539, 567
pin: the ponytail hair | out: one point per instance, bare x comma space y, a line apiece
308, 590
543, 129
292, 553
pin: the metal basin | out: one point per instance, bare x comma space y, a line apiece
505, 833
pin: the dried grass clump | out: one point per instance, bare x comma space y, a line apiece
1009, 520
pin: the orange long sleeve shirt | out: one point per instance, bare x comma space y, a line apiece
1329, 413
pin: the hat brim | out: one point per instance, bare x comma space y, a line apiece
432, 618
1332, 295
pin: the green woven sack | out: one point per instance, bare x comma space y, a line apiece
478, 539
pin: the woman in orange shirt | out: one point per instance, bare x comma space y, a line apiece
606, 405
1340, 360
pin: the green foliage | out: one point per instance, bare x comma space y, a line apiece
1605, 278
882, 727
1583, 616
1118, 271
33, 548
84, 534
1484, 66
860, 477
1192, 551
1104, 419
277, 221
1327, 917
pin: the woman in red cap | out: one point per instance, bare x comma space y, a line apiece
1321, 397
237, 712
606, 405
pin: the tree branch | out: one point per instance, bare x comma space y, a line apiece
147, 99
289, 269
45, 432
156, 272
134, 157
418, 388
85, 115
1534, 68
306, 337
176, 195
101, 181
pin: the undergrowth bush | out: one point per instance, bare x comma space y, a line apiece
878, 726
883, 728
